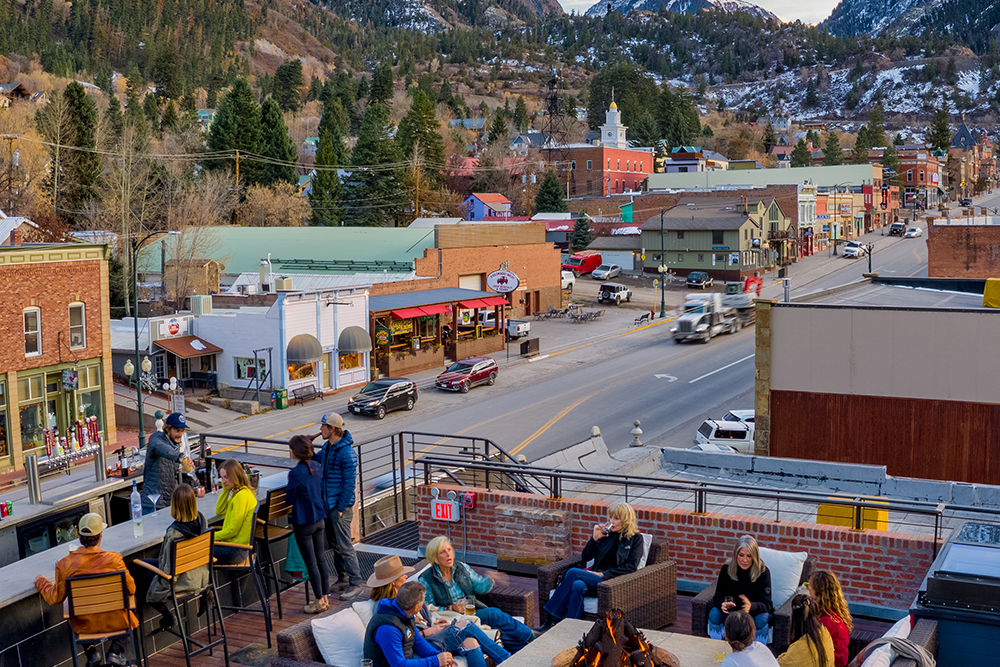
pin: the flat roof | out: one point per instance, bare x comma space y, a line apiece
865, 293
425, 298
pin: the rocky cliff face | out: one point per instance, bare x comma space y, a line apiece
679, 7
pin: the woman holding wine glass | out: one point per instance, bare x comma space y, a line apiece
745, 585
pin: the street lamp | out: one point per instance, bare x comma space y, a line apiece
662, 268
146, 365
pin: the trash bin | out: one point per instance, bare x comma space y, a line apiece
279, 398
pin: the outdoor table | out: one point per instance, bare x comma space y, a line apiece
262, 460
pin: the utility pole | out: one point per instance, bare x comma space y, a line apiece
663, 273
237, 173
10, 173
416, 212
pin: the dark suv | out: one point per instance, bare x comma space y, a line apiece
614, 292
965, 201
699, 279
384, 395
897, 229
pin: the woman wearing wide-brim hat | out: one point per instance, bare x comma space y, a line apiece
390, 574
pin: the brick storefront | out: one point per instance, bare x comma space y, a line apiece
45, 281
878, 568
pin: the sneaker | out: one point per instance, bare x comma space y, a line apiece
340, 585
315, 607
93, 658
351, 593
116, 659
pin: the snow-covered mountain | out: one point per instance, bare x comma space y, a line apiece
856, 17
679, 7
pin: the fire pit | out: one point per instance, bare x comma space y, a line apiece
614, 642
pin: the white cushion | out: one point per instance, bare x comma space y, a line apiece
340, 638
365, 610
883, 656
786, 572
647, 539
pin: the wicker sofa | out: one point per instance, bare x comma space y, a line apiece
648, 596
702, 603
297, 648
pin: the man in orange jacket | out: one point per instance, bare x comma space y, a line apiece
91, 559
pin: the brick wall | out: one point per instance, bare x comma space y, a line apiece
877, 568
963, 251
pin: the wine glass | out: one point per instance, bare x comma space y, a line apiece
154, 498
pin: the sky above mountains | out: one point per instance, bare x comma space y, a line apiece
787, 10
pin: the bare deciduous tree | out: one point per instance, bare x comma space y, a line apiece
277, 206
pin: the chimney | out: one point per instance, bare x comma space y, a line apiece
15, 237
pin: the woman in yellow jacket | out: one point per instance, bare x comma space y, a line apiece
811, 644
237, 503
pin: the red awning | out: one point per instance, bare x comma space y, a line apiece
407, 313
436, 309
496, 301
475, 303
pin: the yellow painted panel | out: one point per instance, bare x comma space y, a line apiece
840, 515
991, 293
74, 255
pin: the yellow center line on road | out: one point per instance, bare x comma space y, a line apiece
549, 424
613, 336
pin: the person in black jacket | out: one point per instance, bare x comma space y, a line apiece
305, 494
744, 584
616, 549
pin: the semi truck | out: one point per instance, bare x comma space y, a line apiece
708, 315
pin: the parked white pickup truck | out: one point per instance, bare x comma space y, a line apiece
515, 328
568, 280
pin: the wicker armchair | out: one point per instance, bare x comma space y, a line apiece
702, 603
923, 633
648, 597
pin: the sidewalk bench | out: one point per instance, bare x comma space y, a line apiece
642, 319
303, 394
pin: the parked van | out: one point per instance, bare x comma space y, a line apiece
737, 435
582, 262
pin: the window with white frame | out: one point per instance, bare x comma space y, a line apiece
32, 332
77, 326
590, 165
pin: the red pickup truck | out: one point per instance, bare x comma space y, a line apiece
582, 262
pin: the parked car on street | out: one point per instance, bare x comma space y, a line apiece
913, 232
614, 292
568, 280
699, 279
606, 272
897, 229
854, 249
745, 416
965, 201
384, 395
718, 449
467, 373
736, 435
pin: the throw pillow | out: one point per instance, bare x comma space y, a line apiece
340, 638
786, 572
365, 610
884, 656
647, 539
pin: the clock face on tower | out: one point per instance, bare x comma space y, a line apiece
610, 134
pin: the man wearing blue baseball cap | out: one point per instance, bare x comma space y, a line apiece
163, 455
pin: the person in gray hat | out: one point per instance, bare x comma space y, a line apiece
340, 472
163, 456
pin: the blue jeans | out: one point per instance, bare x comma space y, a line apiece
567, 602
716, 619
514, 634
450, 639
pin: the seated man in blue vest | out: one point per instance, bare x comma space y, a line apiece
393, 639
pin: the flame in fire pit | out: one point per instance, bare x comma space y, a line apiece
614, 642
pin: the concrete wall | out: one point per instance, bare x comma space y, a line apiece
875, 568
963, 251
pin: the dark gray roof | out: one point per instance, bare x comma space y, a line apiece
425, 298
702, 213
622, 242
963, 138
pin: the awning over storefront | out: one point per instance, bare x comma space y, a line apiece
354, 340
437, 309
187, 347
475, 303
407, 313
434, 301
496, 301
304, 349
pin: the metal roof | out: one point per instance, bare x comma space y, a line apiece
616, 243
307, 282
302, 249
425, 298
703, 213
821, 176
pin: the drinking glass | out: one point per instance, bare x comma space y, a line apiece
470, 606
154, 498
366, 662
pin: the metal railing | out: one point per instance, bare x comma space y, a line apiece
705, 497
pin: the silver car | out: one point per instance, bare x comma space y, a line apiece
854, 249
606, 272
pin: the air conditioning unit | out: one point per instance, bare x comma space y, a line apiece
266, 288
201, 305
284, 283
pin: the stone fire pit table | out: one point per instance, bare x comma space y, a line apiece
691, 651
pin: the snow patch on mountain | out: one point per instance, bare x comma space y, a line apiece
680, 7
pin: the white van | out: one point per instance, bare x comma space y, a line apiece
737, 435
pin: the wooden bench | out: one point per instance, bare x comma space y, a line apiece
307, 393
642, 319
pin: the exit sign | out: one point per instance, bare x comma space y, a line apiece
445, 510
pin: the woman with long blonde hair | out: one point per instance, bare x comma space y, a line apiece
616, 548
745, 585
831, 608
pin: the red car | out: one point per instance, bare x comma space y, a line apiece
467, 373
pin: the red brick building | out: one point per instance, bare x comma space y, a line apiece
607, 168
56, 346
919, 176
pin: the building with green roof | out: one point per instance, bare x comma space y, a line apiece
846, 174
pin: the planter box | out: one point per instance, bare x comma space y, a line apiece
395, 364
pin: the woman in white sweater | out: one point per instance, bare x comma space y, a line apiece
740, 633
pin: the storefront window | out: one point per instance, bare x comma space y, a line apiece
301, 371
349, 361
247, 368
427, 327
89, 396
31, 393
4, 444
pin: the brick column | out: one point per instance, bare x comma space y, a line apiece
762, 379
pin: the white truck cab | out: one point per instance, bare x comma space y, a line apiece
737, 435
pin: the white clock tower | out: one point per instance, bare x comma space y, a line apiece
613, 132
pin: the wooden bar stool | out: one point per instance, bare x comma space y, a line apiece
99, 594
269, 532
249, 565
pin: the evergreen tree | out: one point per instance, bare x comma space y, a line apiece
151, 111
801, 157
645, 133
550, 195
335, 123
113, 114
890, 160
898, 140
373, 194
419, 130
278, 146
498, 128
85, 167
811, 99
166, 78
521, 115
237, 127
324, 195
859, 154
288, 85
940, 134
381, 87
444, 95
169, 120
770, 138
315, 88
833, 154
102, 79
876, 127
581, 236
133, 96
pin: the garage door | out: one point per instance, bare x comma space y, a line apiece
619, 257
471, 281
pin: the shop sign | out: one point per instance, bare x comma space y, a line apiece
823, 216
70, 380
465, 317
400, 327
845, 209
826, 228
734, 258
382, 336
502, 281
173, 326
